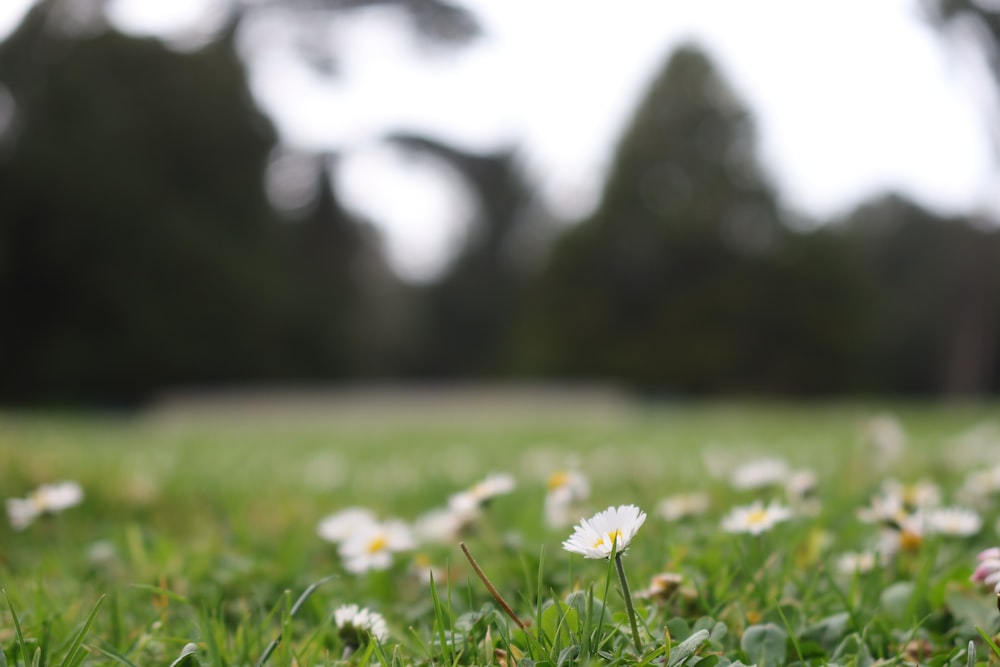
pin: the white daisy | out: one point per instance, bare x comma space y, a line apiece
755, 518
372, 547
568, 486
953, 521
567, 490
444, 524
341, 525
884, 509
906, 533
760, 473
605, 533
46, 499
356, 623
682, 506
424, 570
482, 492
918, 495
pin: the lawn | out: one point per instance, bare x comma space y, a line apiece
195, 538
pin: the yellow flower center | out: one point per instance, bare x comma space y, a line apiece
557, 480
756, 517
613, 536
910, 541
377, 544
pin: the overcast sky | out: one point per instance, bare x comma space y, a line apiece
828, 80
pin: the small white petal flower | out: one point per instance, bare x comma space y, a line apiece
342, 525
482, 492
567, 491
605, 533
760, 473
53, 498
424, 570
918, 495
682, 506
568, 486
353, 623
755, 518
906, 533
953, 521
46, 499
372, 548
445, 524
21, 512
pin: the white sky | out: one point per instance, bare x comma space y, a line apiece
851, 97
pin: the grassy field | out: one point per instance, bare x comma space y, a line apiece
204, 531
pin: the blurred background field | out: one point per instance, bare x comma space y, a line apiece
277, 473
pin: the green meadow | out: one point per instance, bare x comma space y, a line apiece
196, 540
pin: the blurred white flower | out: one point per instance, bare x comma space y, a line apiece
606, 533
917, 495
662, 586
800, 485
904, 534
953, 521
884, 509
568, 486
444, 524
980, 486
354, 624
755, 518
565, 495
424, 570
372, 547
342, 525
682, 506
857, 561
885, 438
482, 492
46, 499
760, 473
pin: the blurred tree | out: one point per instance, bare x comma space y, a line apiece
138, 247
349, 297
936, 283
684, 278
976, 23
467, 315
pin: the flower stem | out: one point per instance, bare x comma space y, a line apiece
491, 588
627, 594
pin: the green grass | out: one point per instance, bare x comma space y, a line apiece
205, 532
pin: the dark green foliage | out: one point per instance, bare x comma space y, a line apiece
138, 249
934, 286
685, 278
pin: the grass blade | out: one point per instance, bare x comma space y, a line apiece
291, 614
114, 655
17, 630
989, 642
74, 656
